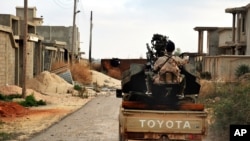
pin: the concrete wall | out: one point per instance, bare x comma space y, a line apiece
31, 13
30, 60
38, 59
60, 33
225, 36
7, 60
5, 20
15, 56
212, 42
11, 21
217, 42
223, 67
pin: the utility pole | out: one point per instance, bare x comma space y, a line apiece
73, 33
90, 38
25, 28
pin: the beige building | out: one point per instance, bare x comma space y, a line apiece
11, 45
8, 59
46, 45
227, 47
240, 29
61, 34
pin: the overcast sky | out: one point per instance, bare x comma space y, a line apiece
123, 27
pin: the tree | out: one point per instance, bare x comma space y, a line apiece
177, 52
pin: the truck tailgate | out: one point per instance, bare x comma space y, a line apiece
193, 122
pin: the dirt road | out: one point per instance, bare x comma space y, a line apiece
96, 121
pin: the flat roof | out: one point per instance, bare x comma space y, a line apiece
237, 9
212, 28
205, 28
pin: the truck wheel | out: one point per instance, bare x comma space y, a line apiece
121, 136
164, 138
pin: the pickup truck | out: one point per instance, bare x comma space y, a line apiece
159, 105
170, 125
159, 116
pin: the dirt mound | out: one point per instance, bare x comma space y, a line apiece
207, 87
10, 89
48, 82
12, 109
104, 80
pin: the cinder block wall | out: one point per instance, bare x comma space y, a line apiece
222, 68
30, 60
7, 60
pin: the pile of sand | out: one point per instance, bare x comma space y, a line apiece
41, 87
47, 82
10, 89
104, 80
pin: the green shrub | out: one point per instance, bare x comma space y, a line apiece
31, 101
28, 102
82, 92
77, 87
233, 108
7, 136
242, 69
9, 97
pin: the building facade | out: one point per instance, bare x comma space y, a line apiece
227, 47
240, 29
12, 32
41, 51
8, 59
61, 33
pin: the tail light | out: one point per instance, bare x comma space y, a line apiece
193, 137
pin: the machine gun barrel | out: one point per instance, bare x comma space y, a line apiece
150, 57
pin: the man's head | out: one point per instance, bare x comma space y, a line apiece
170, 47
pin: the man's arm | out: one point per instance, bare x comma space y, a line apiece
180, 61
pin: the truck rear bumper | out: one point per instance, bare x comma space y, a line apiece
154, 124
157, 136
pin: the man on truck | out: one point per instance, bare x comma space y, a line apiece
167, 68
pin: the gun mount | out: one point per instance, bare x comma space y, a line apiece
138, 85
